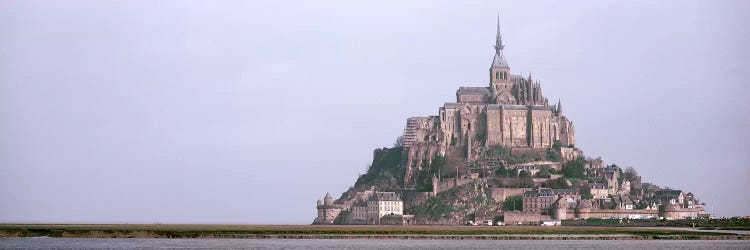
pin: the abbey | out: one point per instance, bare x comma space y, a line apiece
494, 145
510, 112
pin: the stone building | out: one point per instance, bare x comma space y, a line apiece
369, 207
599, 190
510, 111
538, 200
327, 211
382, 204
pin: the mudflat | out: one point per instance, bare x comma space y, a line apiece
352, 232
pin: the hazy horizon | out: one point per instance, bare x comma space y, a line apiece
248, 112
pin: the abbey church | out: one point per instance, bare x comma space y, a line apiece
510, 112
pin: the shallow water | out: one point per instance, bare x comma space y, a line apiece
87, 243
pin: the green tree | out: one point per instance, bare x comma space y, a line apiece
560, 183
553, 154
662, 211
513, 203
543, 173
523, 174
574, 169
501, 171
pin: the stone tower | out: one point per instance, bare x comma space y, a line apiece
500, 82
328, 200
327, 211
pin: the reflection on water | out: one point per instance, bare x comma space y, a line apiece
37, 243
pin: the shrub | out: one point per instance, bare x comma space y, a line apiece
513, 203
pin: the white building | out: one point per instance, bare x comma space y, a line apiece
383, 203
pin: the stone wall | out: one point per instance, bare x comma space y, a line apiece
439, 186
611, 213
539, 132
500, 194
523, 218
677, 213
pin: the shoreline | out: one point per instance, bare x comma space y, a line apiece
414, 232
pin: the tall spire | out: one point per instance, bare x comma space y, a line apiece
499, 60
559, 107
499, 38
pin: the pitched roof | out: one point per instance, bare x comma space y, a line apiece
542, 192
385, 196
515, 107
499, 60
473, 91
565, 191
451, 105
598, 186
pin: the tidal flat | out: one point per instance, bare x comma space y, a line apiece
359, 232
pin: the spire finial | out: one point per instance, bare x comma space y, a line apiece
499, 38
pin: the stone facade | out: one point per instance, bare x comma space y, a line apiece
510, 112
328, 212
382, 204
368, 207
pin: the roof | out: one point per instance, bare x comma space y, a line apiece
499, 60
668, 192
494, 107
546, 108
598, 186
449, 105
515, 107
542, 192
473, 91
565, 191
385, 196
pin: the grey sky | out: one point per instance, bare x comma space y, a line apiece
249, 111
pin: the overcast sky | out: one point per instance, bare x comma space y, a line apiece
250, 111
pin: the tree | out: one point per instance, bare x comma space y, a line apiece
629, 174
585, 190
501, 171
553, 154
559, 183
399, 142
513, 203
662, 211
574, 169
544, 173
523, 174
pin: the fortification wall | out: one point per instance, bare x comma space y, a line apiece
524, 218
450, 183
612, 213
500, 194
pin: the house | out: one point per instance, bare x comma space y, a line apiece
538, 199
599, 190
382, 204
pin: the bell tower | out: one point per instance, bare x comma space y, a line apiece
500, 72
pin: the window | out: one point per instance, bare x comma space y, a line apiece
497, 75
